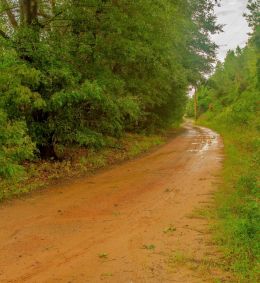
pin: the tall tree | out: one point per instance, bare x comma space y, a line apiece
85, 70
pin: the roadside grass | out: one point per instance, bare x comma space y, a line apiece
176, 258
202, 213
237, 212
150, 247
77, 162
207, 268
180, 258
138, 147
170, 229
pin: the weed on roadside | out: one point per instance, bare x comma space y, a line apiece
202, 213
169, 229
149, 247
176, 257
76, 162
237, 212
103, 255
107, 274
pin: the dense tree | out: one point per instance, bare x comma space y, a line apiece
233, 89
79, 71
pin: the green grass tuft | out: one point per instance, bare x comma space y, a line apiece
238, 213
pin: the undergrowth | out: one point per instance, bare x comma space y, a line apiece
78, 161
238, 214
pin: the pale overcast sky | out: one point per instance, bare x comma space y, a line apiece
235, 30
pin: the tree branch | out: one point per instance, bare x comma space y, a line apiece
4, 35
52, 18
9, 8
9, 13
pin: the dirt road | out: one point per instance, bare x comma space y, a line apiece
132, 223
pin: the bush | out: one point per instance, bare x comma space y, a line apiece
15, 146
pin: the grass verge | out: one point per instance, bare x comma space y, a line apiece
78, 162
237, 201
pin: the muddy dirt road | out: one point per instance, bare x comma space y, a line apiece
136, 222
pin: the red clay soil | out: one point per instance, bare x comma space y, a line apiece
132, 223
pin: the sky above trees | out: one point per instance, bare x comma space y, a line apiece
236, 28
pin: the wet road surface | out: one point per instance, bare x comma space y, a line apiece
135, 222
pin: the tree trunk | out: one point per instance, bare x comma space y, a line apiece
29, 11
47, 151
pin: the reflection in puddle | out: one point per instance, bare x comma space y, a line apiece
210, 140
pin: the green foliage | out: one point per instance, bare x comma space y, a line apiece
15, 146
190, 108
238, 200
76, 161
253, 16
231, 101
82, 74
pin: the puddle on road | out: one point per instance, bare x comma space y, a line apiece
211, 139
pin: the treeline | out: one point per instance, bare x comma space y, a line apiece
81, 71
233, 89
229, 102
232, 93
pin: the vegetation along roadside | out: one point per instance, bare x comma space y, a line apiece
77, 162
229, 102
82, 74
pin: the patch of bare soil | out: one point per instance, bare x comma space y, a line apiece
136, 222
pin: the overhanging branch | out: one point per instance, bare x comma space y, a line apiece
4, 35
10, 15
